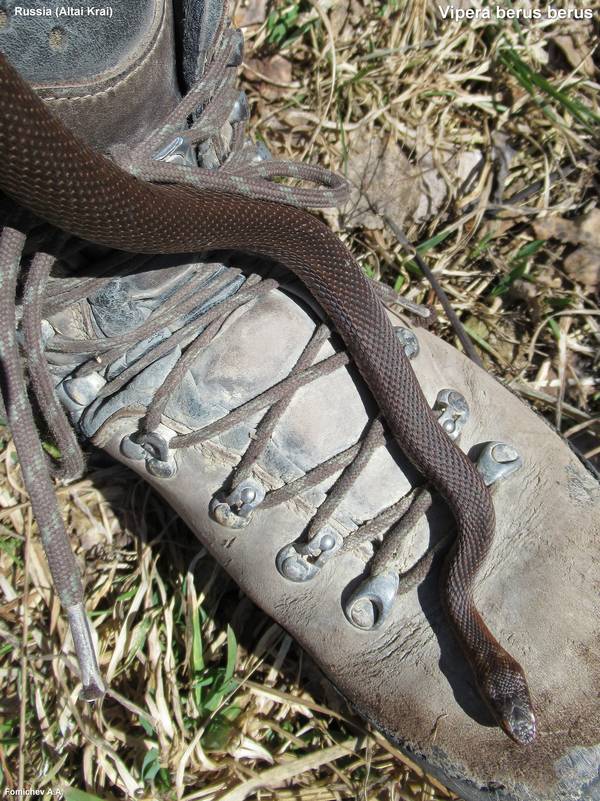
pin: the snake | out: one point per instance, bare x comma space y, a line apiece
50, 171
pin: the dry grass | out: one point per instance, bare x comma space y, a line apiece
192, 713
195, 711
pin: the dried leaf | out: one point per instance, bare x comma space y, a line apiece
272, 76
433, 189
582, 265
250, 12
345, 16
247, 748
578, 232
382, 181
575, 48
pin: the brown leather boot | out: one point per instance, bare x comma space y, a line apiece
327, 527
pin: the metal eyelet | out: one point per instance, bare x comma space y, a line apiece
178, 151
131, 448
159, 460
302, 561
497, 461
409, 341
237, 49
370, 605
152, 447
240, 111
236, 510
452, 411
160, 468
261, 153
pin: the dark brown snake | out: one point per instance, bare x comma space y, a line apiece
51, 172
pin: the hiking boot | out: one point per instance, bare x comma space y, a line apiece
222, 385
263, 438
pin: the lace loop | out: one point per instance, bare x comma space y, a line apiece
214, 96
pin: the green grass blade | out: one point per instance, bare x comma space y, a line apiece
73, 794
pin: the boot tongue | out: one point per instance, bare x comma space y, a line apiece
110, 77
198, 26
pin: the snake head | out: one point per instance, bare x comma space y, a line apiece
508, 695
518, 720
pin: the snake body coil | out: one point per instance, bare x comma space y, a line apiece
50, 171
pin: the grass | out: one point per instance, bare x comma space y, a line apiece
192, 711
210, 699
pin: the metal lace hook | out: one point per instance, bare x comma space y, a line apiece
497, 461
235, 511
452, 411
370, 605
301, 561
154, 449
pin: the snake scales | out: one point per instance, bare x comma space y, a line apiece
51, 172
